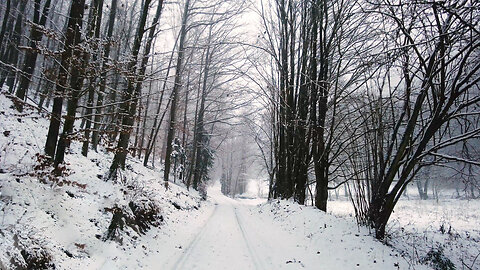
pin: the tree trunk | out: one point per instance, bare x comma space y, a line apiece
72, 37
129, 98
176, 88
103, 76
156, 124
144, 127
31, 54
380, 210
4, 23
77, 74
9, 21
132, 92
301, 141
137, 128
11, 55
183, 160
200, 130
95, 22
321, 159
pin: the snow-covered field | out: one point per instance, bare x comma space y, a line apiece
418, 226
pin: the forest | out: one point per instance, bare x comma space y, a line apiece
370, 98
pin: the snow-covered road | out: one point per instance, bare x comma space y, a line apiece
234, 239
237, 235
220, 243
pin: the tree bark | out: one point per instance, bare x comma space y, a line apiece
72, 38
31, 54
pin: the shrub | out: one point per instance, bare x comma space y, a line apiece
27, 253
438, 260
140, 216
37, 258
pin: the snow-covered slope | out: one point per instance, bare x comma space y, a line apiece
67, 218
328, 242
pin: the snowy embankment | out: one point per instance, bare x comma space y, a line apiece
66, 219
324, 241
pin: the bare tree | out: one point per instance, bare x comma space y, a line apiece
10, 56
438, 86
132, 93
103, 75
72, 39
175, 92
93, 34
31, 54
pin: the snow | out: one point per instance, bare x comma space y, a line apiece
240, 234
68, 217
416, 227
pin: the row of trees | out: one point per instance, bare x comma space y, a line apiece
367, 93
236, 161
127, 71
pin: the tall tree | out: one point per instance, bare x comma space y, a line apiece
10, 57
131, 94
4, 22
95, 19
175, 92
79, 61
103, 75
405, 123
72, 39
440, 80
32, 53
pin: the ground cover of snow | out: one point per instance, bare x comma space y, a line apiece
243, 234
418, 226
67, 219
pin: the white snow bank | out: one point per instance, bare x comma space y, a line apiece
333, 242
67, 218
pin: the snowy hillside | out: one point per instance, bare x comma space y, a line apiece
66, 219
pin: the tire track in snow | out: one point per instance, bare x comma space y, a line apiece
253, 252
191, 247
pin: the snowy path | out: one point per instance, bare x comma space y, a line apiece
230, 240
238, 236
221, 238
